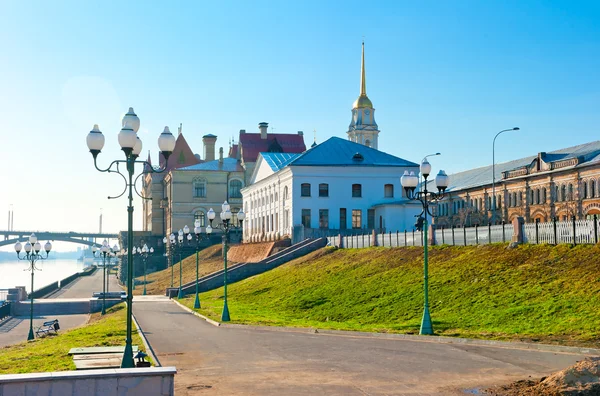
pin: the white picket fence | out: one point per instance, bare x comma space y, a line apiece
578, 232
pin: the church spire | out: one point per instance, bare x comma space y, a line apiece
363, 78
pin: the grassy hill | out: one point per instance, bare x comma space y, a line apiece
210, 260
545, 293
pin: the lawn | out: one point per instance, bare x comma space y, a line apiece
50, 353
540, 293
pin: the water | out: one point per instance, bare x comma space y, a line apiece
12, 272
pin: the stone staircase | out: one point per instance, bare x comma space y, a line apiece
241, 271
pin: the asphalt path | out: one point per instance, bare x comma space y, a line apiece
250, 361
84, 286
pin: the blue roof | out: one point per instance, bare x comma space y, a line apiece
228, 165
278, 161
336, 152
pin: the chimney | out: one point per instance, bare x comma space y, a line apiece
242, 131
209, 147
221, 155
263, 126
300, 133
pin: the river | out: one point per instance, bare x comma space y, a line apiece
12, 273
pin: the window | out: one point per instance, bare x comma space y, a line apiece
368, 142
356, 218
499, 202
544, 195
285, 193
563, 193
538, 197
306, 218
356, 190
585, 192
593, 189
371, 218
323, 190
199, 188
570, 196
388, 191
200, 216
323, 218
520, 201
343, 224
305, 190
234, 189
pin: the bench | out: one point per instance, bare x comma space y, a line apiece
47, 327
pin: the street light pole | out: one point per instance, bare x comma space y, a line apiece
132, 146
494, 172
104, 250
32, 254
225, 226
410, 182
198, 232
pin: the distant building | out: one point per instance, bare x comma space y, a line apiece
337, 185
562, 183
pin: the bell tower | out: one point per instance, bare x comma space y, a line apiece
363, 128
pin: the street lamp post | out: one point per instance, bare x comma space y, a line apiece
409, 182
104, 250
32, 254
115, 249
145, 252
494, 172
132, 146
181, 236
225, 226
198, 232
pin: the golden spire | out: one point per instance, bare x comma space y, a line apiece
362, 101
363, 79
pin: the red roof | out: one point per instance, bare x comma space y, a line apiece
182, 155
251, 144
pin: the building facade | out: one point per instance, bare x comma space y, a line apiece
562, 184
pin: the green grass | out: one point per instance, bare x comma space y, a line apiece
50, 353
541, 293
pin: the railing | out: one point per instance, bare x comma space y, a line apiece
4, 310
3, 294
554, 232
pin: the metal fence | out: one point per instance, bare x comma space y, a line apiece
3, 294
4, 310
554, 232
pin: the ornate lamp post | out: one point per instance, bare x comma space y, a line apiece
225, 226
172, 240
132, 146
104, 250
180, 238
409, 182
115, 250
199, 237
32, 254
145, 251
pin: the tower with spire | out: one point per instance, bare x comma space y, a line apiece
363, 128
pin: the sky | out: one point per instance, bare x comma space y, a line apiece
443, 76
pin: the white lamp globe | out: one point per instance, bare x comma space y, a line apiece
227, 215
241, 215
32, 238
425, 168
442, 180
95, 139
37, 247
166, 141
197, 223
165, 240
172, 237
222, 215
94, 249
186, 229
18, 247
105, 243
115, 248
127, 137
137, 149
211, 214
28, 247
104, 249
151, 250
180, 238
189, 237
225, 207
209, 230
132, 119
48, 247
197, 230
180, 232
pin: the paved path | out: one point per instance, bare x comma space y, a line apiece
246, 361
84, 286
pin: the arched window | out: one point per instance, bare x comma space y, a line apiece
520, 198
368, 143
593, 189
499, 202
537, 196
285, 193
570, 196
199, 215
531, 197
544, 195
199, 188
305, 190
235, 187
388, 191
585, 191
563, 193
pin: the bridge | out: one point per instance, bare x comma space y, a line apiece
83, 238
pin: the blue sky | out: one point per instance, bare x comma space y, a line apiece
443, 76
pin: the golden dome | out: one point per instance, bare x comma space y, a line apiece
362, 102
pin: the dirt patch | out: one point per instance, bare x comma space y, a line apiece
250, 252
583, 378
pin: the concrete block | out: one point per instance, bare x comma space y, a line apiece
168, 386
127, 385
13, 389
85, 386
38, 388
107, 386
62, 387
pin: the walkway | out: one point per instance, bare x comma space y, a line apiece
84, 286
236, 361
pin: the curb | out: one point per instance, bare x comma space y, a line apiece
212, 322
409, 337
145, 341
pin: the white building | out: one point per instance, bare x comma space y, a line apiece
337, 185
